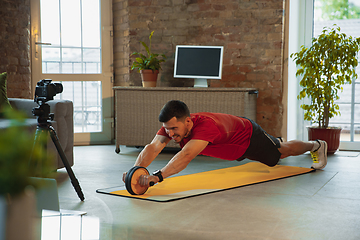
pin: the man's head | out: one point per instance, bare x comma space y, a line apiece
174, 108
175, 116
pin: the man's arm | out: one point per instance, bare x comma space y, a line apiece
150, 152
178, 162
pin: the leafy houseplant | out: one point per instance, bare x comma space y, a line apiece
148, 65
325, 67
17, 200
16, 149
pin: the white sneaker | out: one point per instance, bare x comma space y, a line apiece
319, 156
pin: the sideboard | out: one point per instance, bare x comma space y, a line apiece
137, 108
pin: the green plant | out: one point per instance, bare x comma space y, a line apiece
151, 61
17, 148
325, 66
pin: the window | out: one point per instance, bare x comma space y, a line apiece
346, 15
70, 30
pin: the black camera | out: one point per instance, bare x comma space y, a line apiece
45, 90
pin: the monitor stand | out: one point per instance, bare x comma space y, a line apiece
200, 82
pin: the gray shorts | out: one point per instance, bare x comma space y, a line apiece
263, 147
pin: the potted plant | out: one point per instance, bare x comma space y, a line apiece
325, 67
17, 187
149, 65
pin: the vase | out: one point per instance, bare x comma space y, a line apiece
149, 77
330, 135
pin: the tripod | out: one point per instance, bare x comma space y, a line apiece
44, 126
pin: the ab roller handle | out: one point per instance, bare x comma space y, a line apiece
132, 179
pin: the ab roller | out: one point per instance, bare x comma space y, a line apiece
132, 180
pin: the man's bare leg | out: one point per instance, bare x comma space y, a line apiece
318, 150
296, 147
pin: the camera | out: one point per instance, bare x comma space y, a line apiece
45, 90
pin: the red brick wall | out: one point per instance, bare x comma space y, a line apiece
15, 46
251, 32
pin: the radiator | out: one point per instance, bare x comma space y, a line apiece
137, 108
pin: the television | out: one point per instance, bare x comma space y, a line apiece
198, 62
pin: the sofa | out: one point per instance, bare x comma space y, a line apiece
62, 123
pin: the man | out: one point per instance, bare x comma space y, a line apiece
218, 135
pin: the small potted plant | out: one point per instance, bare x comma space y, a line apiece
149, 65
325, 67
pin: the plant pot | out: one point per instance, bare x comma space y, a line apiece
21, 216
330, 135
149, 77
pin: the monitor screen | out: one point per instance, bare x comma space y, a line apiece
198, 62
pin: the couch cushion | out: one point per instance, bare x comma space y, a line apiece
4, 101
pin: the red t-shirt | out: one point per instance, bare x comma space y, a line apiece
228, 135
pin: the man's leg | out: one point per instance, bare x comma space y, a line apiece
295, 147
318, 150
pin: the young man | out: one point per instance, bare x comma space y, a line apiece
218, 135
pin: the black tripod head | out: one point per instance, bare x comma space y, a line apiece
42, 112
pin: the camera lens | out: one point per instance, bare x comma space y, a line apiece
58, 87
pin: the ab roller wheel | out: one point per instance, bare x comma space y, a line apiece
132, 179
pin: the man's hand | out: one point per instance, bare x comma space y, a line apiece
124, 176
144, 180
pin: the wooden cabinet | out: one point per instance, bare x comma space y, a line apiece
137, 108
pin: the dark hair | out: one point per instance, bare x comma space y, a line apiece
173, 108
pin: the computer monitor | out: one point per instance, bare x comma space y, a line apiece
198, 62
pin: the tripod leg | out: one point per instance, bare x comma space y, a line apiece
71, 174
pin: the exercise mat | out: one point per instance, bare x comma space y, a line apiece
175, 188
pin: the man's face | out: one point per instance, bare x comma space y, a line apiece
178, 129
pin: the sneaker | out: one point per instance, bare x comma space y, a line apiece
319, 156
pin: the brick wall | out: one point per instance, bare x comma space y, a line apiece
15, 46
251, 32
